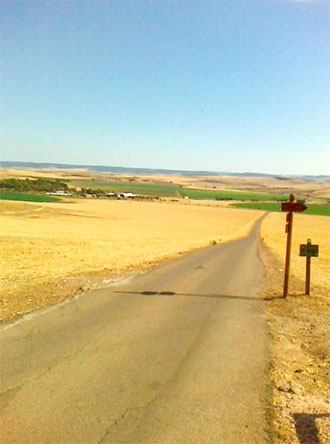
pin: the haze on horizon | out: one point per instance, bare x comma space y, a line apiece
214, 86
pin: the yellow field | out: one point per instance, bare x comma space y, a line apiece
316, 228
49, 249
6, 173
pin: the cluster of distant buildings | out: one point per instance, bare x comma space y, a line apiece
59, 193
125, 195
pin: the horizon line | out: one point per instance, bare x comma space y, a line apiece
159, 170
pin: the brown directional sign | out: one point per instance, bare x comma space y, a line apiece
290, 207
309, 250
293, 207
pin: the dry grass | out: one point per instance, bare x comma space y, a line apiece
49, 251
316, 228
299, 325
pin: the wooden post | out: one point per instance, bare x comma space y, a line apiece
308, 270
288, 249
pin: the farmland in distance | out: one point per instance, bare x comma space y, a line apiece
26, 197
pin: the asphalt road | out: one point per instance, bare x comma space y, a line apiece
177, 355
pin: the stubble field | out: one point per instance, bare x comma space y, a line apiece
51, 251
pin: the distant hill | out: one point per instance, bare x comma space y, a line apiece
147, 171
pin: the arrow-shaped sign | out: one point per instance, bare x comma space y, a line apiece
293, 207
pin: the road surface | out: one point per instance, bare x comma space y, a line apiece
177, 355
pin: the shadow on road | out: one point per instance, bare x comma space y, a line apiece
172, 293
306, 428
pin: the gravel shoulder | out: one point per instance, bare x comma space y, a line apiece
300, 367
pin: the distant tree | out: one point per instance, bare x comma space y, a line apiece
26, 185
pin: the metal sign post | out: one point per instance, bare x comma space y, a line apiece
308, 250
290, 207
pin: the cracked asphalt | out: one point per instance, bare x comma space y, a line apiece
177, 355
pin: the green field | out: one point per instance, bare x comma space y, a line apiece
164, 190
12, 195
229, 195
137, 188
319, 210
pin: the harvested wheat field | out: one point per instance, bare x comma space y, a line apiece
300, 328
51, 251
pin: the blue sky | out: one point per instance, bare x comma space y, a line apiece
207, 85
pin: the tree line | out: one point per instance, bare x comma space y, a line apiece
26, 185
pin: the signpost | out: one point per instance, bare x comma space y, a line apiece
308, 250
290, 207
296, 206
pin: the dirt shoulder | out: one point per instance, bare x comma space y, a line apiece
300, 369
35, 295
